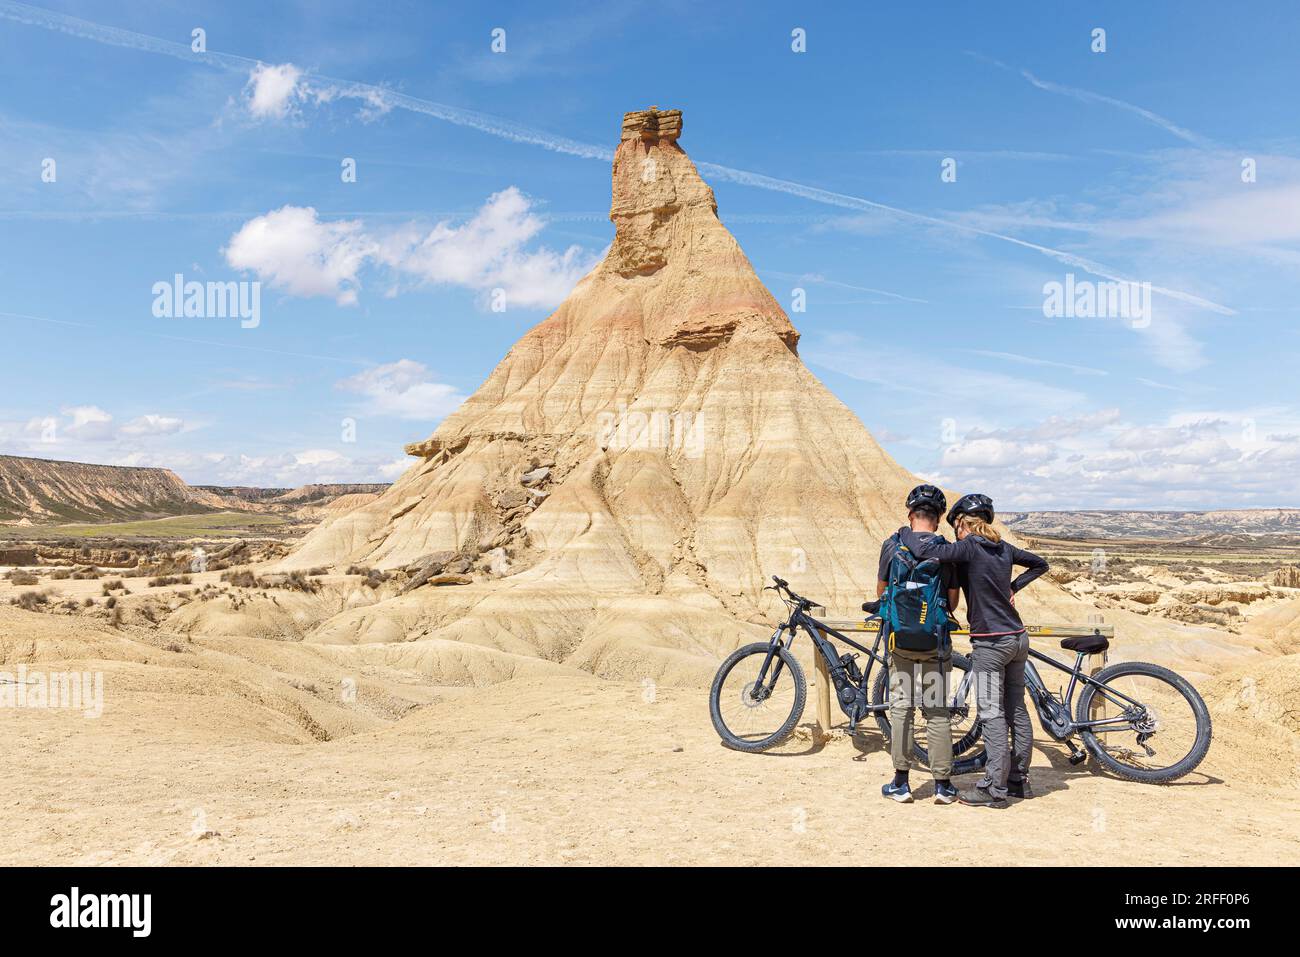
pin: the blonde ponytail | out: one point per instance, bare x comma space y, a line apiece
977, 526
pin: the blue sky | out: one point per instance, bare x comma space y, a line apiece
479, 171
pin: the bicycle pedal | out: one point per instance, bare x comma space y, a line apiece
1077, 755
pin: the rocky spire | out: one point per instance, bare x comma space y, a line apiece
638, 462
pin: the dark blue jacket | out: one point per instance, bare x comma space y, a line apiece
984, 573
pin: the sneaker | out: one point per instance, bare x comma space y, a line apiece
977, 797
944, 792
1020, 789
902, 793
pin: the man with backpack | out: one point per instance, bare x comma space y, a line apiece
917, 601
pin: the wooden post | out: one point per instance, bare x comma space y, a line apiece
1097, 712
823, 698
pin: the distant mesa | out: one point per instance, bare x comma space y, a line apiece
42, 492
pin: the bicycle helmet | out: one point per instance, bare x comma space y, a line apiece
927, 497
981, 506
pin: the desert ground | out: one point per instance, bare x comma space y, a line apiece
270, 749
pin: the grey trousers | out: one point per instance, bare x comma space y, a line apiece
1000, 703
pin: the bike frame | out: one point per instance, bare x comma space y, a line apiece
817, 631
1037, 689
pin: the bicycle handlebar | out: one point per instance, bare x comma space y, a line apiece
783, 585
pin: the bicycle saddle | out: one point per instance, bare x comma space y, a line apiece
1086, 644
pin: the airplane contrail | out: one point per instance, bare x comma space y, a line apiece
1088, 96
327, 87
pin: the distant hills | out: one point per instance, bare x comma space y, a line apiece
1216, 527
49, 492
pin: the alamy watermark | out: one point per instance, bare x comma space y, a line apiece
179, 299
682, 431
73, 690
1084, 299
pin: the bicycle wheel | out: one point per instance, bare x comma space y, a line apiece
967, 757
1167, 726
752, 717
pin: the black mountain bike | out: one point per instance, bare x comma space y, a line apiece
1138, 720
759, 692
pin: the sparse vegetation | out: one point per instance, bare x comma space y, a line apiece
296, 580
212, 525
299, 582
162, 580
370, 577
19, 577
32, 600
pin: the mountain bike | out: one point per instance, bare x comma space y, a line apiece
759, 692
1138, 720
1154, 705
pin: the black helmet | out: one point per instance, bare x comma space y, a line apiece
927, 497
981, 506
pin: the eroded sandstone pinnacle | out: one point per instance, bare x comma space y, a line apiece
652, 124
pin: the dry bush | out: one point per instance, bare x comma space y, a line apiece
112, 586
112, 602
20, 577
60, 574
370, 577
31, 600
169, 580
316, 572
240, 579
298, 582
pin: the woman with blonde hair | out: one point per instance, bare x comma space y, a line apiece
999, 642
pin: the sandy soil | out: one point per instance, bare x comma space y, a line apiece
196, 759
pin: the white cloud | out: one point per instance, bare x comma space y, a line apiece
404, 389
1190, 460
153, 425
272, 90
295, 251
991, 453
284, 470
396, 467
89, 423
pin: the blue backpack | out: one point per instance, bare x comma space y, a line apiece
915, 606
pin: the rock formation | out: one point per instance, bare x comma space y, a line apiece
641, 461
43, 490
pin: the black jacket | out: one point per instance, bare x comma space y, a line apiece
984, 573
